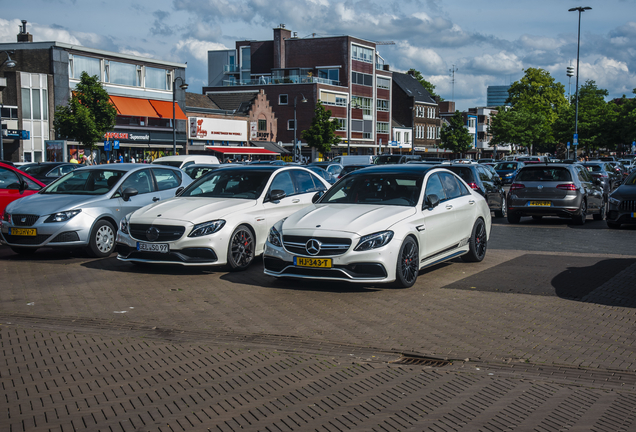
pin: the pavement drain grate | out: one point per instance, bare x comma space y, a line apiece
415, 360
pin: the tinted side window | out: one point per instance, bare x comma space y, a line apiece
434, 187
7, 177
304, 183
166, 178
318, 185
31, 185
140, 180
283, 181
451, 186
483, 175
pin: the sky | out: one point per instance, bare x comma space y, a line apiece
485, 43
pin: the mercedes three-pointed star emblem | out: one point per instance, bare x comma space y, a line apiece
313, 247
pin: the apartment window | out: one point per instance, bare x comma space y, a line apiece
342, 124
290, 124
156, 78
383, 83
9, 113
407, 137
361, 79
438, 132
398, 136
246, 59
382, 128
78, 64
330, 74
362, 103
362, 54
383, 105
262, 125
123, 73
332, 99
26, 103
282, 99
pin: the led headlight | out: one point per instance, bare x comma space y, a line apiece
207, 228
374, 241
63, 216
614, 201
123, 225
274, 236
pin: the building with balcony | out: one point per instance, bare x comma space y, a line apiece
46, 73
414, 108
345, 73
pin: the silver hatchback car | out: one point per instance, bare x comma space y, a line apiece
84, 208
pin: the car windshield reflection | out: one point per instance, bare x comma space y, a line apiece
86, 182
229, 184
385, 189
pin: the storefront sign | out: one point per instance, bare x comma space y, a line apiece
217, 129
253, 130
127, 136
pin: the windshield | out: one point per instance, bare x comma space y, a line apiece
506, 166
544, 174
229, 184
400, 189
387, 159
175, 164
86, 182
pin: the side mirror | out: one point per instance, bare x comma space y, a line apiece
317, 196
179, 191
129, 192
15, 185
276, 195
431, 201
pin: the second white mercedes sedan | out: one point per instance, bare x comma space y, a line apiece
222, 218
381, 225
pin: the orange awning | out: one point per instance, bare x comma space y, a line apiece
164, 108
133, 107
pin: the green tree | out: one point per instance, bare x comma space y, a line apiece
321, 134
430, 87
521, 127
455, 135
88, 115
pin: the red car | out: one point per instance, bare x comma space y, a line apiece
15, 184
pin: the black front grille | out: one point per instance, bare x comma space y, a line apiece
166, 232
69, 236
628, 205
356, 270
26, 240
331, 246
29, 220
188, 255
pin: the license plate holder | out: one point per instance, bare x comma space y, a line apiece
540, 204
28, 232
153, 247
312, 262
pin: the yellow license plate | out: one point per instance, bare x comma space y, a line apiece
31, 232
312, 262
540, 203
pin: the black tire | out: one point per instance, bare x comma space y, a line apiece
102, 241
537, 217
579, 219
601, 214
240, 250
613, 225
504, 209
513, 218
23, 250
408, 264
478, 243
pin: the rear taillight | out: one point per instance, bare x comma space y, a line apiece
473, 186
571, 187
516, 186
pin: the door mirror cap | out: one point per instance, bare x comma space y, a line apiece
129, 192
431, 201
277, 195
317, 196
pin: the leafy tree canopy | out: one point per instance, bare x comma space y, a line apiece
521, 127
430, 87
455, 135
88, 115
321, 134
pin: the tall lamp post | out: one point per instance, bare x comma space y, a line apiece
183, 86
576, 95
297, 150
10, 64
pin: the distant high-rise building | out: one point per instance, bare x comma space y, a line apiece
497, 95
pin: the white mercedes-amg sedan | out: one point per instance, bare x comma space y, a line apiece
380, 225
222, 218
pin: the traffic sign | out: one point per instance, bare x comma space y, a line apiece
107, 146
568, 144
116, 145
18, 133
575, 141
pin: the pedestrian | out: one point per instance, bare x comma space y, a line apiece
121, 158
132, 159
72, 159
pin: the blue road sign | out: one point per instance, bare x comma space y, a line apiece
575, 141
107, 146
116, 145
568, 144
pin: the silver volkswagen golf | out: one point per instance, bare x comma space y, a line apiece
84, 208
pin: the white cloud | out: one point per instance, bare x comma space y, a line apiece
136, 53
198, 48
423, 59
500, 63
540, 43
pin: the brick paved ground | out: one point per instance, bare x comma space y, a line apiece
102, 345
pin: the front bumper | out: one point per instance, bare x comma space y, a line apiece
74, 232
376, 265
187, 251
621, 215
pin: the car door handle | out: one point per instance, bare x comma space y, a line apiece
449, 207
471, 202
155, 199
296, 200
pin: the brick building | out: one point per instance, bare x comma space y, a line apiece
44, 76
345, 73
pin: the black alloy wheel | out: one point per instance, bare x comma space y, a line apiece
240, 252
408, 264
477, 244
